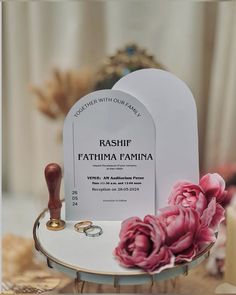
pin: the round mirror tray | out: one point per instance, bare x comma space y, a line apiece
91, 259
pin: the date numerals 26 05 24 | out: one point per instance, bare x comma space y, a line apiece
75, 198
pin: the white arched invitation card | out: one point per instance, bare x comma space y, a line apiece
109, 157
125, 148
173, 108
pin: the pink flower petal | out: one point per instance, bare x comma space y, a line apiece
218, 217
204, 236
186, 256
142, 243
208, 213
182, 243
127, 223
157, 260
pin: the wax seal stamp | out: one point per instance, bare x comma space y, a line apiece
53, 177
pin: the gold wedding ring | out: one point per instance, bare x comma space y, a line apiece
82, 226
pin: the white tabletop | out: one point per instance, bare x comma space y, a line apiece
92, 254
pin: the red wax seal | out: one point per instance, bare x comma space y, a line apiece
53, 177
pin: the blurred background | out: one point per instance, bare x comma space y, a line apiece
56, 52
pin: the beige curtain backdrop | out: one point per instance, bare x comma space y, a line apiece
194, 40
220, 145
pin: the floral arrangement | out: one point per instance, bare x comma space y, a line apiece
179, 231
61, 91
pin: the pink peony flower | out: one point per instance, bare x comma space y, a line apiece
180, 231
207, 198
188, 195
214, 187
142, 244
185, 234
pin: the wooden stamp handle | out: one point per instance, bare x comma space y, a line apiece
53, 177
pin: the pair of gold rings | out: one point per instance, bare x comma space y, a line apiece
88, 228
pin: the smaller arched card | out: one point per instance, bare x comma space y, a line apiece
109, 140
